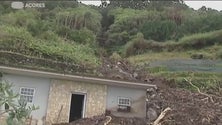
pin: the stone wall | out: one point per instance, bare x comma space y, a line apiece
60, 98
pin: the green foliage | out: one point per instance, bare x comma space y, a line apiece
115, 57
39, 27
138, 45
171, 22
17, 113
210, 82
21, 18
141, 4
117, 39
200, 21
50, 5
219, 54
200, 40
50, 36
7, 95
67, 52
78, 18
68, 31
196, 41
127, 22
5, 8
83, 36
157, 69
19, 40
159, 30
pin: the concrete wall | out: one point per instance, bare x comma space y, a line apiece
41, 86
137, 97
60, 99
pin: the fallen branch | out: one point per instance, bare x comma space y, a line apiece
110, 118
161, 116
210, 97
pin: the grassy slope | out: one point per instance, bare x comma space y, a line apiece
203, 80
19, 40
208, 44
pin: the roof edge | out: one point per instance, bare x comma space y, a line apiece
44, 74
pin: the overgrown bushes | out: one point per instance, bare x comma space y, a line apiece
159, 30
200, 40
196, 41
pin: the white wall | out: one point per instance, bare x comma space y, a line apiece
137, 97
41, 86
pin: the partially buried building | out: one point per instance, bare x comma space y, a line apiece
65, 98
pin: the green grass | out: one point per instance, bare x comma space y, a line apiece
205, 81
187, 43
195, 41
150, 57
210, 52
20, 40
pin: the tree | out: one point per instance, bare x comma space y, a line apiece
17, 112
142, 4
133, 4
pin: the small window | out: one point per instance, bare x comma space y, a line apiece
124, 104
27, 94
123, 101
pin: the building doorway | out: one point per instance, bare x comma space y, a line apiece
77, 107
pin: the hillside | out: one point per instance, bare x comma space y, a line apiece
167, 42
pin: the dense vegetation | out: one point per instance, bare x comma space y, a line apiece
140, 31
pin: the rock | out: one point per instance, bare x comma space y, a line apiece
197, 56
135, 75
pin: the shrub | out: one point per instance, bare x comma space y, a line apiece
115, 57
38, 27
20, 18
159, 30
200, 40
197, 56
83, 36
135, 46
219, 54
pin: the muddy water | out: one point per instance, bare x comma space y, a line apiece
190, 65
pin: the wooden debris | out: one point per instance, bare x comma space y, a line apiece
161, 116
109, 120
210, 97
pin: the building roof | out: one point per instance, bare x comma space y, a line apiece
44, 74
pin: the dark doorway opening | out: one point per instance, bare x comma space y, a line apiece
76, 107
